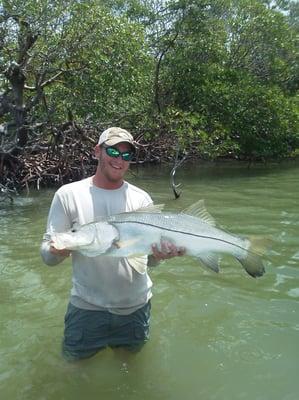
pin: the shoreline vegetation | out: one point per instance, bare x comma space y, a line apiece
68, 156
190, 79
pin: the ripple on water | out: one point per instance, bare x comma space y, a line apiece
211, 324
294, 292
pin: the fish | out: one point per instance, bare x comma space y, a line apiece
132, 234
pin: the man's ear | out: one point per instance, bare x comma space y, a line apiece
97, 151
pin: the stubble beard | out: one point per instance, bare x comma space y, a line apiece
112, 175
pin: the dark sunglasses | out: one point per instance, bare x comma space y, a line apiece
113, 152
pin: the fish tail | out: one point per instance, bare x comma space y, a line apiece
253, 265
252, 262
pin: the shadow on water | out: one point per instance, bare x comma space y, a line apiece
213, 336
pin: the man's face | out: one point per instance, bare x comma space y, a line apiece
113, 169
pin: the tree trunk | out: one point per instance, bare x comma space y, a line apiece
18, 111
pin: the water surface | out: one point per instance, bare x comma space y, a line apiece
213, 336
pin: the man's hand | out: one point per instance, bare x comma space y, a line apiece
62, 253
167, 250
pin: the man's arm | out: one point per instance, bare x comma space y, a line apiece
58, 221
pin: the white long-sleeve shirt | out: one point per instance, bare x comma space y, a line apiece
103, 283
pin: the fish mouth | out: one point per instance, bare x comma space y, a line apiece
64, 241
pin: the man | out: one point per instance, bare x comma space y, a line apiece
110, 302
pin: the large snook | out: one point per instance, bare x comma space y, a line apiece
132, 234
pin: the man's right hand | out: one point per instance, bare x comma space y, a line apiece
62, 253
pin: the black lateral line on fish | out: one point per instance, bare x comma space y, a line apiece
185, 233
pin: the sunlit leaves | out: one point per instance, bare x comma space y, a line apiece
222, 73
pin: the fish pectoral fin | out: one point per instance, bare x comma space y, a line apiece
138, 263
211, 261
198, 210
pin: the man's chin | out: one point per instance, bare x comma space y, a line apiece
116, 176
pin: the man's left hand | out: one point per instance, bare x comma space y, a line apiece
167, 250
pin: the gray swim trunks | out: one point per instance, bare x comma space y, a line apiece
89, 331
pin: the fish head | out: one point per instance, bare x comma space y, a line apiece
74, 238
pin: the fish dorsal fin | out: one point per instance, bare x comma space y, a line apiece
198, 210
151, 208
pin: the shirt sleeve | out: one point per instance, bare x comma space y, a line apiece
58, 221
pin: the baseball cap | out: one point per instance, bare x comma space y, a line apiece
115, 135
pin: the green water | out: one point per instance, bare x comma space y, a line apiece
213, 336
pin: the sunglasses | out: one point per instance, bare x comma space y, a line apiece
114, 153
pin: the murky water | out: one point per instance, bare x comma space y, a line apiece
213, 336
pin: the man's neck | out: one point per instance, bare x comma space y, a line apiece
101, 182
